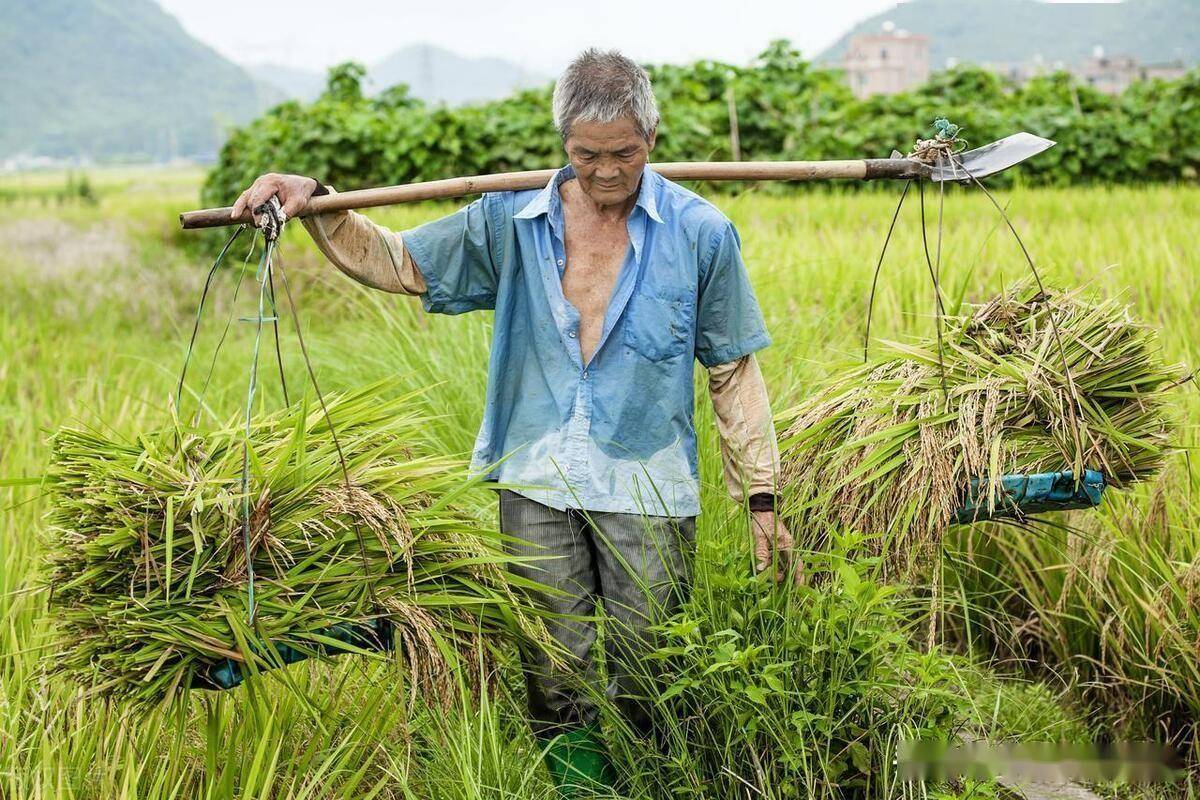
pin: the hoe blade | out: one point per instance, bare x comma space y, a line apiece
991, 158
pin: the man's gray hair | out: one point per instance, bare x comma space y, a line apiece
603, 86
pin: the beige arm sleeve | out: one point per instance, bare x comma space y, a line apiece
749, 449
369, 253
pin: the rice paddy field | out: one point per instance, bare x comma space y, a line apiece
1082, 628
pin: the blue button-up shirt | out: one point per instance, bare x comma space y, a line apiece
615, 433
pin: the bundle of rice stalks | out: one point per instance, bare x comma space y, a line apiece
886, 450
148, 569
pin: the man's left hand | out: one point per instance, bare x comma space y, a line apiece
773, 543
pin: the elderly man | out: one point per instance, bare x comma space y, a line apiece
605, 285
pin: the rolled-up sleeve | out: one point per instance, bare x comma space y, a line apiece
459, 256
729, 323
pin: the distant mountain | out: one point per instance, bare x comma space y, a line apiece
434, 74
114, 79
1008, 31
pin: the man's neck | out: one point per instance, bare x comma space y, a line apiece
572, 194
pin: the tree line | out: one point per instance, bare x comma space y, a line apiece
785, 108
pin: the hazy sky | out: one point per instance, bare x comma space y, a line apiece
538, 35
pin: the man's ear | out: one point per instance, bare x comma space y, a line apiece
651, 138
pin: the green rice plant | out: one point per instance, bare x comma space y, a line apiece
155, 575
1112, 599
1026, 382
763, 690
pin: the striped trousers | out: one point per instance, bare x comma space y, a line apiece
635, 569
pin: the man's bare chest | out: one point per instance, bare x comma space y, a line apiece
594, 256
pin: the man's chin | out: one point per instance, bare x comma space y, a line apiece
610, 197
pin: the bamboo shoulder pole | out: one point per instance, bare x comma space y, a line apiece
862, 169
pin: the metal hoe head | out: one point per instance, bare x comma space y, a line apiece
990, 159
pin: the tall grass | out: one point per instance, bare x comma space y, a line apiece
805, 693
103, 344
1108, 602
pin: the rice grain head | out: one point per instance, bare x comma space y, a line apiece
881, 450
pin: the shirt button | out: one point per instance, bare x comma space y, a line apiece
585, 373
560, 262
571, 334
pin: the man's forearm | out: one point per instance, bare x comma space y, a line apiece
369, 253
749, 450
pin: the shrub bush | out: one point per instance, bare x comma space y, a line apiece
787, 108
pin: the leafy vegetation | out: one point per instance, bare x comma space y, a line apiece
810, 690
1112, 598
786, 109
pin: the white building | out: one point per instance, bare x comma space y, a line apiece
1113, 74
887, 62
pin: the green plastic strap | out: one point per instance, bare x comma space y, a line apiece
266, 300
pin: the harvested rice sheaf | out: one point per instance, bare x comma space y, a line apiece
147, 562
881, 449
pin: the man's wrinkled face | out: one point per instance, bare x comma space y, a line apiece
608, 158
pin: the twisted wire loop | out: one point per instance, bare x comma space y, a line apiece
939, 309
1076, 405
269, 226
945, 148
945, 144
271, 218
200, 312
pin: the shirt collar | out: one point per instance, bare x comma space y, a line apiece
548, 200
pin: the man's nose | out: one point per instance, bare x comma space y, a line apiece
608, 171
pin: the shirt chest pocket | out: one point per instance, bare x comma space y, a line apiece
662, 322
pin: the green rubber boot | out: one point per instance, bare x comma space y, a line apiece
579, 764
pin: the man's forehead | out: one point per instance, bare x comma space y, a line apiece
604, 136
